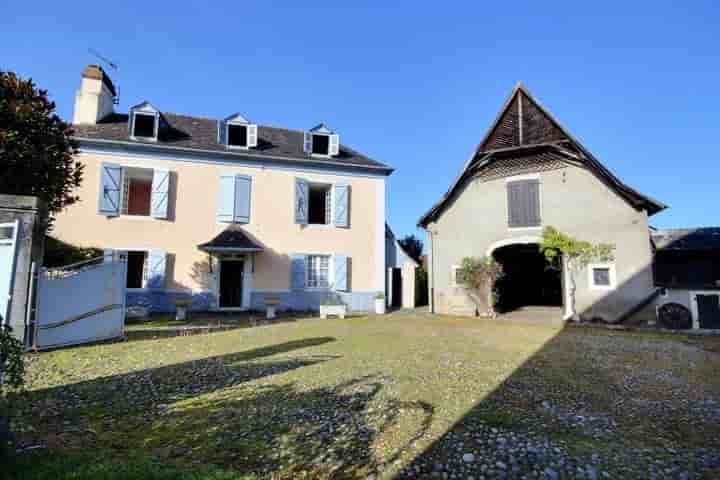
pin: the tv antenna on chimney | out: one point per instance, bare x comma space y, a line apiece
110, 64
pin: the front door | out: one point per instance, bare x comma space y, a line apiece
708, 310
231, 283
8, 234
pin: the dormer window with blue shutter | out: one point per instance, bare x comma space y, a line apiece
144, 122
237, 131
320, 141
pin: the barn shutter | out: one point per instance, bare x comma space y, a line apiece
156, 269
307, 144
301, 201
334, 148
110, 189
160, 188
252, 136
226, 200
523, 198
297, 272
341, 272
243, 188
222, 132
342, 201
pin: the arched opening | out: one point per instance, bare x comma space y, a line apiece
527, 278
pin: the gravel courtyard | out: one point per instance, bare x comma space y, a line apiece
399, 396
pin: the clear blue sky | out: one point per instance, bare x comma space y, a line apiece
413, 85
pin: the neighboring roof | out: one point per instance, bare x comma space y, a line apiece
233, 238
200, 134
523, 129
390, 234
704, 238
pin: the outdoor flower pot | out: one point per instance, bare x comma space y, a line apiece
380, 305
336, 310
181, 306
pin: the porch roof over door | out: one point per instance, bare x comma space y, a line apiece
232, 239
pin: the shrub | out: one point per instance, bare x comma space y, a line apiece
478, 278
59, 253
12, 372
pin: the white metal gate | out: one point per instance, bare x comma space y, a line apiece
8, 253
81, 303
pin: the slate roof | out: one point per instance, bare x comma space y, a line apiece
705, 238
527, 133
232, 238
200, 134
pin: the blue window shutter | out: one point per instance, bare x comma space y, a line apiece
341, 272
334, 146
108, 255
307, 143
156, 269
301, 201
160, 189
110, 189
243, 189
297, 272
226, 200
252, 135
222, 132
342, 203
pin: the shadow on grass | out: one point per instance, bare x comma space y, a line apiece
220, 411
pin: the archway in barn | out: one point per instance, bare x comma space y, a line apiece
527, 280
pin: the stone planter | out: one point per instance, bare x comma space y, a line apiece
181, 306
380, 306
336, 310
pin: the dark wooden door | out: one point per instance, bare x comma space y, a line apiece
397, 287
231, 284
708, 311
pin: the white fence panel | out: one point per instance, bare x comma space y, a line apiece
81, 303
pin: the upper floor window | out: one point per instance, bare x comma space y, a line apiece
319, 204
144, 122
133, 191
137, 191
321, 141
523, 202
237, 132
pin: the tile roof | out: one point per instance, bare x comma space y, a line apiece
198, 133
232, 238
704, 238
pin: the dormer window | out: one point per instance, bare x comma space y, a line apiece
237, 132
321, 142
145, 122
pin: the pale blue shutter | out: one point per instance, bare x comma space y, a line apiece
297, 272
226, 200
110, 189
307, 142
341, 272
222, 132
342, 202
156, 269
301, 201
243, 188
160, 189
252, 136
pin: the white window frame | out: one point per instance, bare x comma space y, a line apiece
124, 195
321, 155
611, 273
454, 269
227, 135
155, 129
330, 275
519, 178
331, 189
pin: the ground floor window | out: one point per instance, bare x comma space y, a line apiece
136, 269
318, 275
602, 276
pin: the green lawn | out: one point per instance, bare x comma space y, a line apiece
371, 395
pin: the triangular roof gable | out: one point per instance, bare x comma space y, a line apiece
537, 126
321, 128
236, 118
145, 107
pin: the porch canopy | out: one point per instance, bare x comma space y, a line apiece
231, 240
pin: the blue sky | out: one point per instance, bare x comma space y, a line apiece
413, 85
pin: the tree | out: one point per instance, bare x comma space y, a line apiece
576, 254
12, 371
36, 147
478, 278
413, 246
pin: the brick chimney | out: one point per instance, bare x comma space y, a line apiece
94, 99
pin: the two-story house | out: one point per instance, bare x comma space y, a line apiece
528, 172
229, 210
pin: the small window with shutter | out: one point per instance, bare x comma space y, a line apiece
321, 141
523, 203
236, 131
